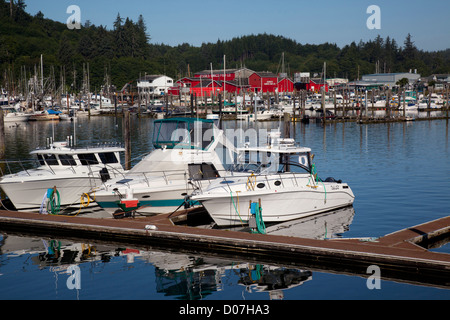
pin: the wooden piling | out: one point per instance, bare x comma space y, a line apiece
2, 135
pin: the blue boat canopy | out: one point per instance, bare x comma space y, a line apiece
51, 111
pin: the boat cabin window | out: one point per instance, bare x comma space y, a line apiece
41, 159
288, 162
256, 162
87, 159
271, 162
202, 171
108, 157
67, 160
182, 133
51, 160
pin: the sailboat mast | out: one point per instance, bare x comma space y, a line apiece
224, 77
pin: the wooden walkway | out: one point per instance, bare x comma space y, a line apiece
401, 256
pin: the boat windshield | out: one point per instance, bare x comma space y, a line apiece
183, 133
271, 162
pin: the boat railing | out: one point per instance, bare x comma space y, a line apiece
251, 181
149, 176
211, 176
15, 166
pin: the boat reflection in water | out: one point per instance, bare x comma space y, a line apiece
180, 276
327, 225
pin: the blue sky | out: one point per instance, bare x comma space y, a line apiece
195, 22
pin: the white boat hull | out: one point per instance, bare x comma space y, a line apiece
19, 117
160, 198
260, 116
30, 195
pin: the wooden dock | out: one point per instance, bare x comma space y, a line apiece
401, 256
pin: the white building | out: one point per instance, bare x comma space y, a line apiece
154, 84
336, 81
390, 79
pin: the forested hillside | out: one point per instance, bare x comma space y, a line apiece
126, 52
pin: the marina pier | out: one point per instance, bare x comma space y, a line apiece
401, 256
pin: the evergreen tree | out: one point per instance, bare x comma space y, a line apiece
119, 37
66, 51
410, 50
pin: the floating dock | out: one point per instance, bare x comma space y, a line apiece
401, 256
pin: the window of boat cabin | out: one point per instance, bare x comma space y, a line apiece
67, 160
205, 137
182, 134
288, 162
41, 159
203, 171
256, 161
51, 160
108, 157
162, 134
87, 159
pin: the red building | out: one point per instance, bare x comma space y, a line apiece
314, 85
285, 85
236, 81
218, 75
263, 81
206, 87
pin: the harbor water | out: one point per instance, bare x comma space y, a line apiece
398, 171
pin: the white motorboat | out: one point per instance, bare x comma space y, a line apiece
261, 114
428, 104
281, 193
185, 151
69, 172
46, 115
411, 106
68, 116
11, 114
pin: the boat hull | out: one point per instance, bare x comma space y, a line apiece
164, 198
16, 118
30, 195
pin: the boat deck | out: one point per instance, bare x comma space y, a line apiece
401, 256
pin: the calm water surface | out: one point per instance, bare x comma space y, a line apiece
399, 173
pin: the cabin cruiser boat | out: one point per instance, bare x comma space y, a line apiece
13, 114
69, 172
48, 114
261, 114
185, 152
264, 180
427, 104
408, 103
